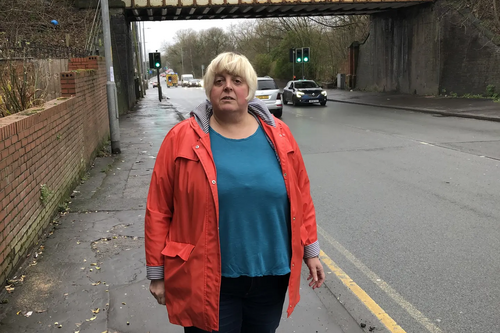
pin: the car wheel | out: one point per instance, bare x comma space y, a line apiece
323, 103
278, 113
294, 101
285, 101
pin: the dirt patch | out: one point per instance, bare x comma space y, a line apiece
113, 246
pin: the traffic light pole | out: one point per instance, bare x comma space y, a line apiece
293, 65
159, 84
303, 78
114, 125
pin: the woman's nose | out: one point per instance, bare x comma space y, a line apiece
228, 85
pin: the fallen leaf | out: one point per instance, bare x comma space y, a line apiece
97, 267
96, 311
96, 283
18, 312
93, 264
29, 313
93, 318
124, 303
90, 269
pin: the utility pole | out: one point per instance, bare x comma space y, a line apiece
182, 60
138, 58
114, 125
141, 59
145, 67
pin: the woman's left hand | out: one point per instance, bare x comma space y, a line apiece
316, 272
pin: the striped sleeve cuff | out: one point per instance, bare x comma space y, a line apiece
311, 250
154, 272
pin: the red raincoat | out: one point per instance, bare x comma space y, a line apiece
181, 225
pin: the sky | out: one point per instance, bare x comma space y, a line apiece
159, 32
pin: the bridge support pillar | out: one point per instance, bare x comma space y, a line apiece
428, 50
123, 59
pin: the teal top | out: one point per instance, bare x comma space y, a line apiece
254, 211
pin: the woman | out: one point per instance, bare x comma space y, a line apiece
229, 216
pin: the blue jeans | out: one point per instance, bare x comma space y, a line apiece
250, 304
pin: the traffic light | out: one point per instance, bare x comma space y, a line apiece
305, 54
298, 55
291, 55
155, 60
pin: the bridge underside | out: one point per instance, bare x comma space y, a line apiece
259, 9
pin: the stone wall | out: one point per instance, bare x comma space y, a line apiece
44, 152
425, 49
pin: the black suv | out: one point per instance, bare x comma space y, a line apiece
304, 92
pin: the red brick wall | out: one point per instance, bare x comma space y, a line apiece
52, 146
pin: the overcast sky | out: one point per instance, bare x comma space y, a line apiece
159, 32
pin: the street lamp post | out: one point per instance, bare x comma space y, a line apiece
114, 125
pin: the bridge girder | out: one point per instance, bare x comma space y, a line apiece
159, 10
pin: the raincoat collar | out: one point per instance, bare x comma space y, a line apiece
256, 107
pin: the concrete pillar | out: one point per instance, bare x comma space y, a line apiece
123, 59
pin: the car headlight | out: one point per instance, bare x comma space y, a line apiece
299, 94
323, 93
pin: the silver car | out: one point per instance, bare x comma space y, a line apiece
268, 92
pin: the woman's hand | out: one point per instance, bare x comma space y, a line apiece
316, 272
157, 289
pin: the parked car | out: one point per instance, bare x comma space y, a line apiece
269, 93
155, 84
304, 92
185, 80
194, 83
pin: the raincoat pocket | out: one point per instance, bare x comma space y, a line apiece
175, 249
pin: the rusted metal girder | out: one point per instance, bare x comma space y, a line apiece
143, 10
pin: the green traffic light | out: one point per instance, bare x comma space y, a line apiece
157, 64
306, 59
299, 60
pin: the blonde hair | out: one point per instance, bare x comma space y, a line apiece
233, 64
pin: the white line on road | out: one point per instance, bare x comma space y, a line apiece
391, 292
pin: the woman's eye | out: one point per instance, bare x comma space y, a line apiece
238, 81
218, 82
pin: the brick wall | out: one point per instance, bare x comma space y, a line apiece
50, 146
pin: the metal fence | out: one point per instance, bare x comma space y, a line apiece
37, 51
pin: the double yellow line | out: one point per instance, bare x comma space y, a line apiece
381, 315
377, 311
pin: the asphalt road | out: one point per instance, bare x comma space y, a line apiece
408, 206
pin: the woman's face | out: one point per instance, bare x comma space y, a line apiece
229, 93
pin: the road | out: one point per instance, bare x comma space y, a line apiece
408, 208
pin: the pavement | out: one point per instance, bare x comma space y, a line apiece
88, 273
475, 108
